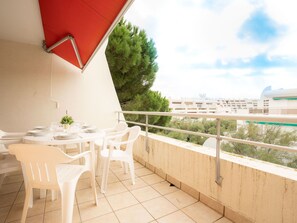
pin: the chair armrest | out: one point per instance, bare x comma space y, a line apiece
115, 135
108, 129
87, 155
112, 137
9, 141
114, 143
81, 155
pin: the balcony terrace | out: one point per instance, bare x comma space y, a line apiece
176, 181
151, 199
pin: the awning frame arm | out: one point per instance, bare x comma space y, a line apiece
73, 43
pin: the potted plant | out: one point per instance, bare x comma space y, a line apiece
66, 121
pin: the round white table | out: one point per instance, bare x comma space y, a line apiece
50, 140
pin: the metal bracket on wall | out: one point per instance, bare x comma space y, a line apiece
68, 37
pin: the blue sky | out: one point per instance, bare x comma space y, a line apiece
221, 48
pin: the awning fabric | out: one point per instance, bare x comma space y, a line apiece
86, 20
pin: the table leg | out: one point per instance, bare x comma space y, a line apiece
93, 173
92, 149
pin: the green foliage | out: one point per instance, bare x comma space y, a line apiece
131, 57
266, 134
150, 101
293, 162
252, 132
66, 120
196, 125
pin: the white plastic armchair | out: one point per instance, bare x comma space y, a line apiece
46, 167
111, 153
119, 128
11, 135
8, 163
7, 138
116, 133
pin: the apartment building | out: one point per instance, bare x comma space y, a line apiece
281, 101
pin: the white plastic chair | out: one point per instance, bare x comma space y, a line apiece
119, 128
110, 152
11, 135
115, 133
45, 167
8, 163
7, 138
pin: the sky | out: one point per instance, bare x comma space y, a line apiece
220, 48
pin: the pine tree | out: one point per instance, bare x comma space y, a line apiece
131, 58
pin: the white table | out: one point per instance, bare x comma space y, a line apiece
81, 138
49, 140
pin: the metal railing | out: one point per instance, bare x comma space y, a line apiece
218, 136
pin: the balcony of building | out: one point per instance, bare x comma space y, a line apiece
151, 199
176, 181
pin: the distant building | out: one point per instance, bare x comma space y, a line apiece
281, 101
242, 106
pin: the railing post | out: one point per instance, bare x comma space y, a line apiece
218, 150
146, 134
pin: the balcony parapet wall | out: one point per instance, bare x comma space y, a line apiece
251, 191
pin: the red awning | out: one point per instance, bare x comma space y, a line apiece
87, 21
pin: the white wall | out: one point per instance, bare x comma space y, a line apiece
33, 82
256, 190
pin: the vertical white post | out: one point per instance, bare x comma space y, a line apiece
146, 134
218, 150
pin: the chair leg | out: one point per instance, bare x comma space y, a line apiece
104, 161
54, 195
132, 173
125, 167
80, 151
26, 203
26, 187
105, 175
99, 164
67, 194
93, 184
42, 193
2, 176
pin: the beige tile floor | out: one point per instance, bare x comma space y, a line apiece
151, 199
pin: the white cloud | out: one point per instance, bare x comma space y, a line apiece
186, 33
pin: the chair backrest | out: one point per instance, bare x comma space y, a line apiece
9, 165
121, 126
2, 133
133, 134
39, 163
